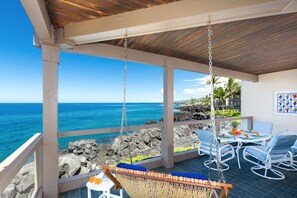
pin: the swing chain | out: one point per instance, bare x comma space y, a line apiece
221, 177
211, 98
124, 121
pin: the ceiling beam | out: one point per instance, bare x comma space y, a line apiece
173, 16
115, 52
37, 12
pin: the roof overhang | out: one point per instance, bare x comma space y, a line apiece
145, 20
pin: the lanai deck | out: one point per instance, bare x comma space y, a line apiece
245, 183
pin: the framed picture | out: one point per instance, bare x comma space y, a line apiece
285, 103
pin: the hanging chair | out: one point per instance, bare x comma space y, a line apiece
149, 184
140, 183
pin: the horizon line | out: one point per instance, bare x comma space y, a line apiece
80, 102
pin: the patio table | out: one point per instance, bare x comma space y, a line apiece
103, 187
240, 139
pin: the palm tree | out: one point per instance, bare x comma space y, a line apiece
219, 94
215, 81
232, 89
194, 101
206, 101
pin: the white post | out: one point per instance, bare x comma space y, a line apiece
50, 59
38, 168
167, 146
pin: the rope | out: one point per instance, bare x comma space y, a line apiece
137, 187
221, 177
124, 121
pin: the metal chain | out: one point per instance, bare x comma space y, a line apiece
221, 177
124, 114
124, 121
211, 100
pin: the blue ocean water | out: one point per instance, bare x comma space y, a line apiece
18, 122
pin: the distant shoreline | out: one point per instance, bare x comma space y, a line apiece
176, 102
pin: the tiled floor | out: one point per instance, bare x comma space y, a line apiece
245, 183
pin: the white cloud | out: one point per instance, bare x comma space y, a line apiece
203, 80
201, 89
196, 93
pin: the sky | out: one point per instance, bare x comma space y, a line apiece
81, 78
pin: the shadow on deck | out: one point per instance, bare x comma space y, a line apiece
245, 183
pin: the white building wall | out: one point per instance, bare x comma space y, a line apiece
257, 99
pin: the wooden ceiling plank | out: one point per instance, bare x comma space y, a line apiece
151, 20
242, 45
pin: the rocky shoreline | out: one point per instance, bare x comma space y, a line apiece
87, 155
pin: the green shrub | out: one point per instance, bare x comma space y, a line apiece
144, 157
228, 113
181, 149
137, 159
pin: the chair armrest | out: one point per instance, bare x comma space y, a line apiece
225, 146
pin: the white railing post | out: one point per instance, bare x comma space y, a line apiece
167, 140
38, 168
50, 59
12, 165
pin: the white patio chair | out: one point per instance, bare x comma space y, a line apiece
293, 150
274, 153
204, 147
290, 165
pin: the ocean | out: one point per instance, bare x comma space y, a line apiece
18, 122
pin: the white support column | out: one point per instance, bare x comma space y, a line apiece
38, 168
167, 146
50, 59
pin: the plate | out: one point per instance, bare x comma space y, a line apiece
259, 135
243, 137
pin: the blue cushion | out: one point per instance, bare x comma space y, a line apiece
189, 175
256, 152
205, 148
131, 167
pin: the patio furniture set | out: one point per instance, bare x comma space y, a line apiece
260, 148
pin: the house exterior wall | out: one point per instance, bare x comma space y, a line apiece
257, 99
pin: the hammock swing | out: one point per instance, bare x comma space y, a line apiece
140, 183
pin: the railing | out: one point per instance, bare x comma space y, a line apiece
106, 130
133, 128
10, 167
79, 181
248, 120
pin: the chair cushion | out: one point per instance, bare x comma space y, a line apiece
132, 167
254, 151
225, 150
189, 175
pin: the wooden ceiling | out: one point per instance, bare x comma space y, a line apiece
254, 46
63, 12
